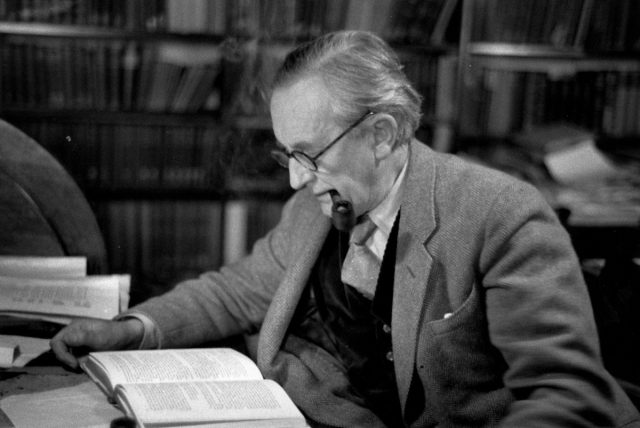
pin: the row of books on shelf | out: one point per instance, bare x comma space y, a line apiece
161, 158
595, 25
119, 75
403, 21
613, 26
498, 102
423, 22
109, 75
126, 14
429, 75
163, 242
556, 23
406, 21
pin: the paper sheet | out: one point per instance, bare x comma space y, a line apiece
29, 348
8, 352
80, 405
96, 296
43, 267
578, 163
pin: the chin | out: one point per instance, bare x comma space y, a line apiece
325, 204
326, 208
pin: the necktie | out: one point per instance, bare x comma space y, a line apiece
361, 267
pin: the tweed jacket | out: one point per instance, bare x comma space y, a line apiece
491, 318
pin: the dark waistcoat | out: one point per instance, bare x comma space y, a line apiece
352, 328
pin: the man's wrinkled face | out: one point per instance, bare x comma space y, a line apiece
304, 120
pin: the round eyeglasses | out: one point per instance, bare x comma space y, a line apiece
282, 156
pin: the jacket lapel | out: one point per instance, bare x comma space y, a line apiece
285, 300
413, 262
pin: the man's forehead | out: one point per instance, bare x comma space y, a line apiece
300, 111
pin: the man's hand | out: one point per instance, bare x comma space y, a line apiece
95, 335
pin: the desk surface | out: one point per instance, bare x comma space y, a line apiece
45, 376
37, 379
26, 380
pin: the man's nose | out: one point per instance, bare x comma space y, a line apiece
299, 176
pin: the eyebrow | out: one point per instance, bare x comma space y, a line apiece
300, 146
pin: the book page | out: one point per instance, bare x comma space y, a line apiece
208, 401
95, 296
9, 351
124, 288
168, 365
579, 163
43, 267
28, 348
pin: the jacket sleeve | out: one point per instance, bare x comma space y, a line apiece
540, 317
223, 303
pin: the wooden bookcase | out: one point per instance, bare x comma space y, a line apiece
529, 64
157, 108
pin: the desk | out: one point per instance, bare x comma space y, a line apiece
61, 400
44, 374
58, 396
30, 379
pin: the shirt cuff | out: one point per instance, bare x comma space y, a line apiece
150, 336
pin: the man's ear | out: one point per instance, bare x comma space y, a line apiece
385, 132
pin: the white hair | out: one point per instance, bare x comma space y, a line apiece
361, 72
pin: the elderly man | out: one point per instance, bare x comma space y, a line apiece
402, 287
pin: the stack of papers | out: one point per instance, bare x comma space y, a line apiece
54, 290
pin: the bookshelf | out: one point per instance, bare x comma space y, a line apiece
531, 64
158, 109
526, 63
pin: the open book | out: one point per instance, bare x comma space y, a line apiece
191, 387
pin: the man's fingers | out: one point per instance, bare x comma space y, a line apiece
85, 335
62, 344
62, 352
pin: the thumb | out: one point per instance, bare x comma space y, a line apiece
63, 353
63, 343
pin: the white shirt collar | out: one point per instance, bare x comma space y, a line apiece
384, 215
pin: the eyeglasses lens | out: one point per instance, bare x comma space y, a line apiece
283, 159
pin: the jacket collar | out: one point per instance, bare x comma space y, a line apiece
286, 297
413, 262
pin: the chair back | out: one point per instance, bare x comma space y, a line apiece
43, 212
